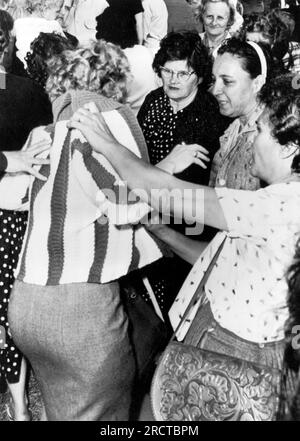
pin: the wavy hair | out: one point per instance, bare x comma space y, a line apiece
232, 10
43, 48
100, 67
282, 99
272, 28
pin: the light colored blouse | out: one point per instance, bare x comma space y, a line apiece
247, 288
232, 163
83, 225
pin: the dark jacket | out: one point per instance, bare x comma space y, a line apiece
23, 106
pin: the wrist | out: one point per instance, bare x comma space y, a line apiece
167, 166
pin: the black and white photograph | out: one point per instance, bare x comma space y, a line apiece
149, 213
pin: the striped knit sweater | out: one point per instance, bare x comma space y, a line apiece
78, 232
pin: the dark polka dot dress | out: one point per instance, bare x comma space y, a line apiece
12, 230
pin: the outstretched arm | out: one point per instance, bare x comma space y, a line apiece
164, 192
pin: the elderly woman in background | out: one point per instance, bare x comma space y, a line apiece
180, 114
217, 17
65, 312
245, 312
272, 29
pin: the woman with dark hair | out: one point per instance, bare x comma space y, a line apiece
240, 70
273, 30
43, 48
23, 106
180, 113
245, 306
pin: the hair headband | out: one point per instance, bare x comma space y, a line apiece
262, 59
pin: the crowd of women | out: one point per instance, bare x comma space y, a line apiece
102, 112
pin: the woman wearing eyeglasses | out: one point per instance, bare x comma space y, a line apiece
182, 111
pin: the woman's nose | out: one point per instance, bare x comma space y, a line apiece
174, 78
216, 88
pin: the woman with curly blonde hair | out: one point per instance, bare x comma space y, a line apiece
97, 67
65, 310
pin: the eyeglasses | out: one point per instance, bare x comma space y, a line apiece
181, 75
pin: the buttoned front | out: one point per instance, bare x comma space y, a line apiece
232, 162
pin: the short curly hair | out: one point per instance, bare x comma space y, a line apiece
271, 26
185, 45
232, 10
99, 67
43, 48
282, 100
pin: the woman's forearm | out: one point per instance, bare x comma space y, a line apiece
186, 248
164, 192
139, 18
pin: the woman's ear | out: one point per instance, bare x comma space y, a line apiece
258, 82
200, 80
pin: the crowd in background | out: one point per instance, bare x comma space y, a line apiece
216, 109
